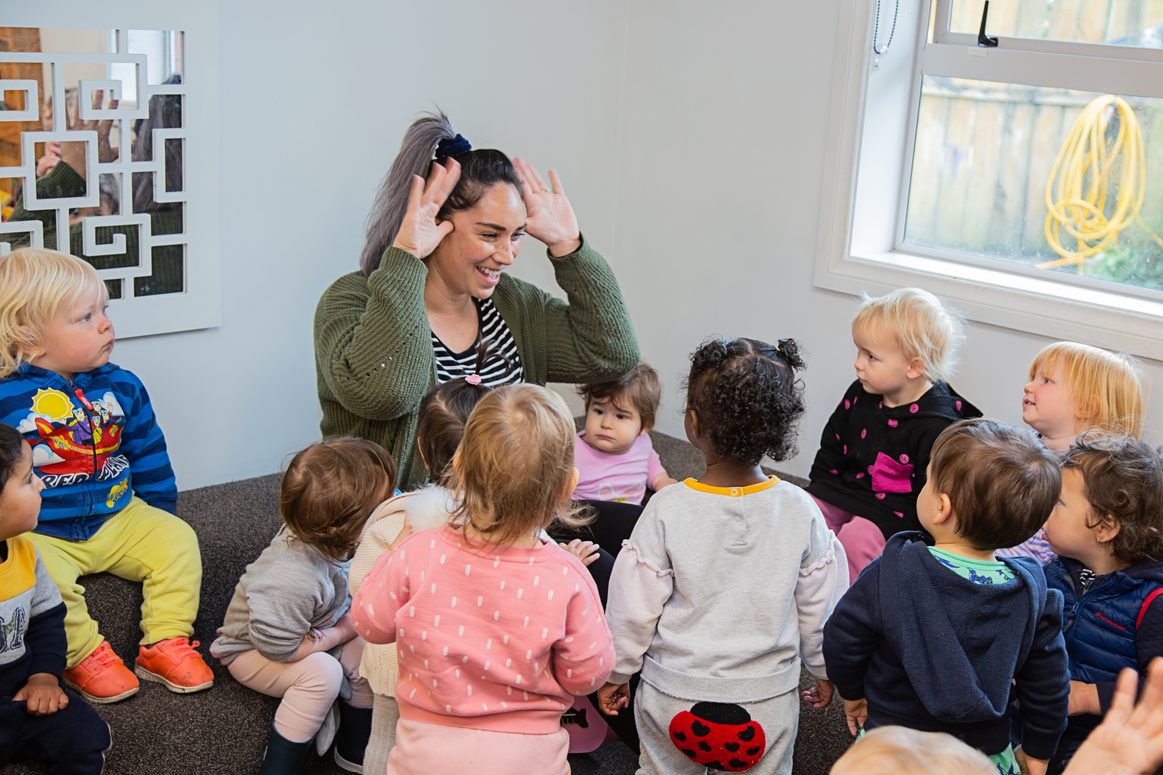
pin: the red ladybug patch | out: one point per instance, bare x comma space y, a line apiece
719, 736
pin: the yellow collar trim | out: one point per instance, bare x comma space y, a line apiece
733, 492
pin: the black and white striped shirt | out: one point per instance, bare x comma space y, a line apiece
503, 364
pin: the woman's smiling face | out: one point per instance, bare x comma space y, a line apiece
485, 239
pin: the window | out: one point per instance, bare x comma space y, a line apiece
963, 169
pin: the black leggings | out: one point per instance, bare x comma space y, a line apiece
613, 525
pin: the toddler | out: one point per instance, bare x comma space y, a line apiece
1074, 388
726, 582
110, 497
614, 456
287, 631
496, 629
42, 722
1107, 529
875, 448
935, 631
439, 429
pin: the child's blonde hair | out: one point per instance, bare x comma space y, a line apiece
922, 326
34, 285
903, 751
513, 468
1112, 381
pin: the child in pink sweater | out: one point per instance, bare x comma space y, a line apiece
496, 629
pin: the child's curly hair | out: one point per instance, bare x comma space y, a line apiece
747, 397
329, 490
1123, 481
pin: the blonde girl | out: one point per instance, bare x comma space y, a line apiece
875, 447
1075, 388
496, 628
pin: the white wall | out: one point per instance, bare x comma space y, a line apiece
690, 137
724, 125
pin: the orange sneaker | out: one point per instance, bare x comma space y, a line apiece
102, 677
174, 663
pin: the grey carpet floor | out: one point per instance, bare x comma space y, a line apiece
223, 730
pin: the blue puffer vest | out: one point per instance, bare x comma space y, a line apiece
1100, 627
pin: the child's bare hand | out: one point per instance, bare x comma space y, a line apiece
44, 695
1130, 739
1036, 766
611, 697
856, 711
820, 696
404, 535
1083, 699
586, 551
345, 627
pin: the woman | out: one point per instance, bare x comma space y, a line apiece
432, 302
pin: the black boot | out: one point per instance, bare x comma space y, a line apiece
355, 728
283, 757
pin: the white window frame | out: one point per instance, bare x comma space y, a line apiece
200, 305
872, 122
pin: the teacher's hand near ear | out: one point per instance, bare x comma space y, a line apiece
419, 233
550, 215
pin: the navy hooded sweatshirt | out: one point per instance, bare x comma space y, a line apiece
935, 652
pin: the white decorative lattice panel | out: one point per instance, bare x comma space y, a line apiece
109, 168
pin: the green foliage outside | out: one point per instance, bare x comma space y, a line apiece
1134, 264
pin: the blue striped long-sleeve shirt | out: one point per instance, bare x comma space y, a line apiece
95, 443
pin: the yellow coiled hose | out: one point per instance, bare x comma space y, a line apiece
1088, 160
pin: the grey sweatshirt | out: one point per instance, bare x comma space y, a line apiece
291, 589
719, 591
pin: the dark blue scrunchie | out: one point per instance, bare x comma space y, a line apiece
452, 146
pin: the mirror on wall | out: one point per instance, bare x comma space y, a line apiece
92, 140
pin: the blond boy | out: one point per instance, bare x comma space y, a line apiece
110, 495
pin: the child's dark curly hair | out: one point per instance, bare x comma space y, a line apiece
747, 397
1123, 482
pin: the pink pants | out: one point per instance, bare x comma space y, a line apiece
308, 686
434, 749
862, 540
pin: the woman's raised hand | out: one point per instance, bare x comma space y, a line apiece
419, 233
549, 214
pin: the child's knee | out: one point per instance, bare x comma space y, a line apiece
179, 535
320, 673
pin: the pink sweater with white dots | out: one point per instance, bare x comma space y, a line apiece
495, 637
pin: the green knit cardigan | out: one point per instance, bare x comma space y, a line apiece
373, 346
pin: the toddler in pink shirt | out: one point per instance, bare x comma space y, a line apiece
614, 456
496, 629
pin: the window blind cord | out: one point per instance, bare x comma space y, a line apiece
882, 50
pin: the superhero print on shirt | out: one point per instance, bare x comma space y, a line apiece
719, 736
74, 439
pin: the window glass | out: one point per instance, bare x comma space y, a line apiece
1114, 22
987, 160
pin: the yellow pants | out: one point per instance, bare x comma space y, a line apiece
139, 543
